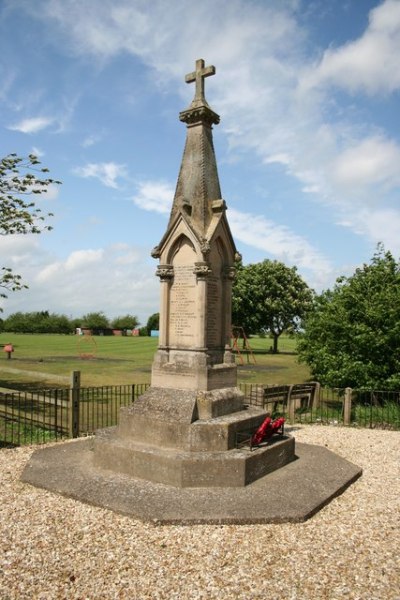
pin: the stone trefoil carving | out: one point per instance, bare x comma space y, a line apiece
202, 270
205, 247
165, 272
229, 273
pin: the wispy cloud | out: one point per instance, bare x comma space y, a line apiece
278, 102
85, 280
82, 258
374, 222
372, 160
107, 173
369, 63
91, 139
37, 151
154, 196
277, 241
32, 125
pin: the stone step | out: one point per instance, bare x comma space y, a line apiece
179, 468
219, 434
216, 435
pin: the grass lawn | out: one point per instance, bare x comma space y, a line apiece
109, 360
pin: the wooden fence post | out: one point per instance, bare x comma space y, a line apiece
74, 396
348, 393
291, 405
317, 395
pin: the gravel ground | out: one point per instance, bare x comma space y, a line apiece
55, 548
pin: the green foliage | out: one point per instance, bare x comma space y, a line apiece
153, 323
269, 297
125, 322
95, 320
37, 322
10, 281
20, 178
17, 178
75, 323
352, 336
387, 415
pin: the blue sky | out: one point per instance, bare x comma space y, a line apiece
308, 147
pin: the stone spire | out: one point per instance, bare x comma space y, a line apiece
198, 183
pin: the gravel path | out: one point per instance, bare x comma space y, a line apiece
56, 548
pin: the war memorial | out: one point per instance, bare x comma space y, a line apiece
175, 456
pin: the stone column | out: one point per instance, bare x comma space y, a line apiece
201, 270
166, 274
228, 278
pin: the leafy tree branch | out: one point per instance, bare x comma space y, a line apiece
20, 179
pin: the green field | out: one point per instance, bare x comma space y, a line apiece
109, 360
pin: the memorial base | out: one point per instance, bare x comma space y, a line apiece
292, 494
187, 438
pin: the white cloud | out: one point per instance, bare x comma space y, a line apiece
15, 250
154, 196
32, 125
82, 258
107, 173
369, 63
378, 224
116, 279
91, 139
48, 272
372, 160
277, 240
79, 261
37, 152
277, 103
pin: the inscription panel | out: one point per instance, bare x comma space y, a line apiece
214, 312
183, 316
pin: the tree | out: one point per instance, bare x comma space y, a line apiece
125, 322
95, 320
352, 336
20, 178
269, 297
153, 323
37, 322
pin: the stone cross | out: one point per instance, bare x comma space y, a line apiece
198, 76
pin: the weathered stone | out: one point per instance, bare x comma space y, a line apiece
293, 493
182, 431
173, 457
172, 466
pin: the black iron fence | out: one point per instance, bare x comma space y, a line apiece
99, 406
33, 417
330, 406
30, 417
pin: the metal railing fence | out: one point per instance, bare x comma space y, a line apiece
376, 408
336, 406
99, 406
31, 417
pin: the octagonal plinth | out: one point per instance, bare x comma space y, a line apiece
291, 494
